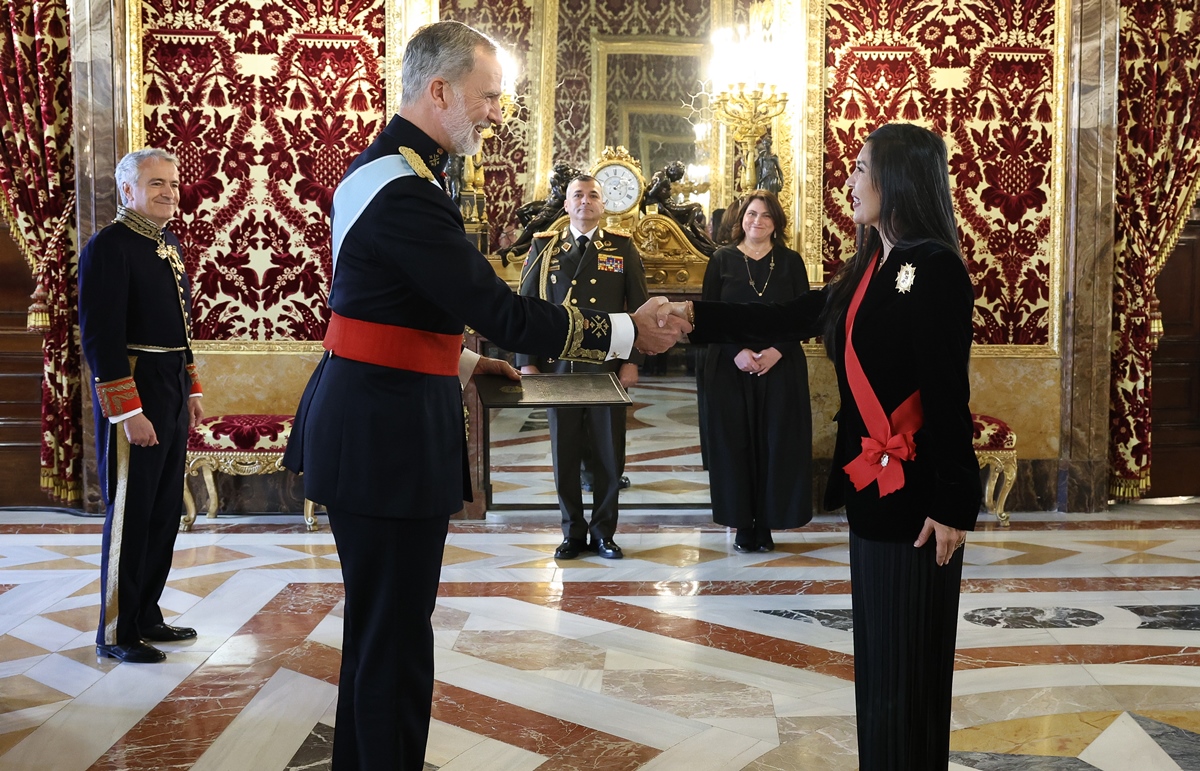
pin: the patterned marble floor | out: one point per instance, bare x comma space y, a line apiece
662, 452
1078, 647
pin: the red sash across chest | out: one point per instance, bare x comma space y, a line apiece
888, 440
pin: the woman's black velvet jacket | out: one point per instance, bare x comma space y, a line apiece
919, 339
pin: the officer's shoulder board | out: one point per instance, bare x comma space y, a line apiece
546, 234
617, 232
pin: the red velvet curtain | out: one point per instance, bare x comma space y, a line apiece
1158, 178
37, 179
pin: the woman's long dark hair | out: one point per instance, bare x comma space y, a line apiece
910, 169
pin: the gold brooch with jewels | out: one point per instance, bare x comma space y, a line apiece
904, 279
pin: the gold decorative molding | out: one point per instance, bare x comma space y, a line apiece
671, 262
544, 56
604, 46
402, 18
134, 74
256, 346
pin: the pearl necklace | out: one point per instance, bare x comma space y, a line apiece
770, 272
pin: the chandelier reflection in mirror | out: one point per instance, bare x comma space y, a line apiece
746, 93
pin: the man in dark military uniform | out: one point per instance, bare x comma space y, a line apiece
379, 431
135, 311
586, 266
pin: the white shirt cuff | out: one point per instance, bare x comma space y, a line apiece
466, 365
196, 395
623, 333
124, 416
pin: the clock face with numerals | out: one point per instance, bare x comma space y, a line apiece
622, 186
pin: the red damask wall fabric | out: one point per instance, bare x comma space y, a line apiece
37, 177
981, 74
1157, 181
266, 104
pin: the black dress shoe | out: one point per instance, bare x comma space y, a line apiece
767, 546
608, 549
570, 548
744, 548
168, 633
133, 653
624, 483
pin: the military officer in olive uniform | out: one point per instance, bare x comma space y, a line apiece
586, 266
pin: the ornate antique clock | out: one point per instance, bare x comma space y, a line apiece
621, 179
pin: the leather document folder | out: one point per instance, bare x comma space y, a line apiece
590, 389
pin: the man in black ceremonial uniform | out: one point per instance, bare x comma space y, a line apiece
379, 432
586, 266
135, 324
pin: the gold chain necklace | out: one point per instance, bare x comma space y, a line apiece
770, 272
147, 227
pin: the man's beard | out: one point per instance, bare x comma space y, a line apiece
463, 137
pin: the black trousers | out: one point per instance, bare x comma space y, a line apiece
391, 569
145, 502
603, 429
905, 624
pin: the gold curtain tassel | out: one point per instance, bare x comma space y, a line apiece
38, 317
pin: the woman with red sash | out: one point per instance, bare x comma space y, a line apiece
897, 324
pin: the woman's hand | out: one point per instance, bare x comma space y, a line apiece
767, 358
747, 361
948, 539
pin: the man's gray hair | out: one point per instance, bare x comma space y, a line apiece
443, 49
129, 167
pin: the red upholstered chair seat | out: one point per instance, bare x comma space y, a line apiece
992, 433
240, 445
241, 433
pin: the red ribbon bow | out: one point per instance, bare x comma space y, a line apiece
887, 440
877, 461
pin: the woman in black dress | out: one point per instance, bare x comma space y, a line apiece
758, 426
897, 322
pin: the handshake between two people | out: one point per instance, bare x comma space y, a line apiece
660, 324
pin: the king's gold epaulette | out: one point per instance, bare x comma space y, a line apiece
618, 232
546, 234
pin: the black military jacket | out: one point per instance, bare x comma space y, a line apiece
608, 277
390, 442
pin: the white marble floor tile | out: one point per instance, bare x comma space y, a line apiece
45, 633
1124, 746
764, 729
494, 756
267, 732
64, 674
30, 717
328, 631
594, 710
447, 742
679, 654
508, 613
82, 731
713, 750
587, 679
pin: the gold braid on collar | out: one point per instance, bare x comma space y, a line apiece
145, 226
417, 163
138, 223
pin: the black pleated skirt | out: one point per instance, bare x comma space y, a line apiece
905, 621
